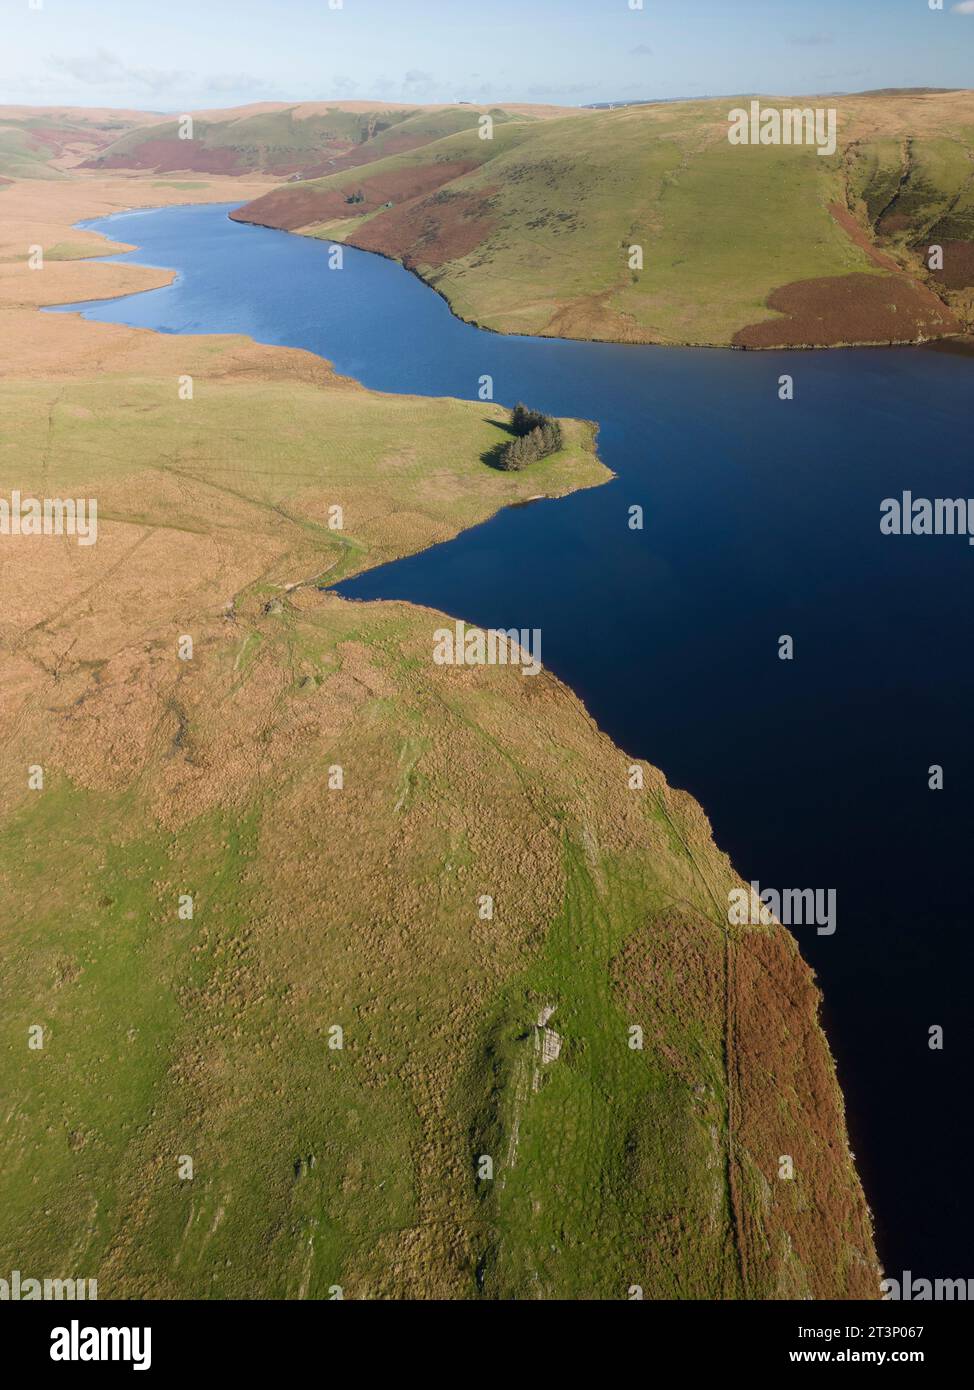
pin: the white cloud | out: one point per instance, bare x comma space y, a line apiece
965, 7
106, 69
418, 84
240, 82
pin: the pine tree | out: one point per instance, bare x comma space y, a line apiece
536, 436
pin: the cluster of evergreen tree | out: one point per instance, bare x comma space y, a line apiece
537, 436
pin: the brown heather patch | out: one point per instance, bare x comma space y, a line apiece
295, 206
841, 309
958, 271
299, 206
61, 140
164, 156
788, 1102
441, 228
784, 1099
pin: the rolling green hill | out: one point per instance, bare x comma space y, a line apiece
279, 141
645, 224
43, 143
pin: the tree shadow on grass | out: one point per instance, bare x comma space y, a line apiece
492, 456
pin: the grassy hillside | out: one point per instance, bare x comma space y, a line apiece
360, 907
306, 139
44, 143
531, 232
169, 1039
917, 195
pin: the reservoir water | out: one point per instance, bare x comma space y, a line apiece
761, 520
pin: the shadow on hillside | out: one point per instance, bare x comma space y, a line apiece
492, 456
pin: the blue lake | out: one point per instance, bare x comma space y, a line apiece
761, 519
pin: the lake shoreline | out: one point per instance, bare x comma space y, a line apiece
833, 1114
614, 342
811, 474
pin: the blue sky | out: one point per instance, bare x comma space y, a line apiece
176, 55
